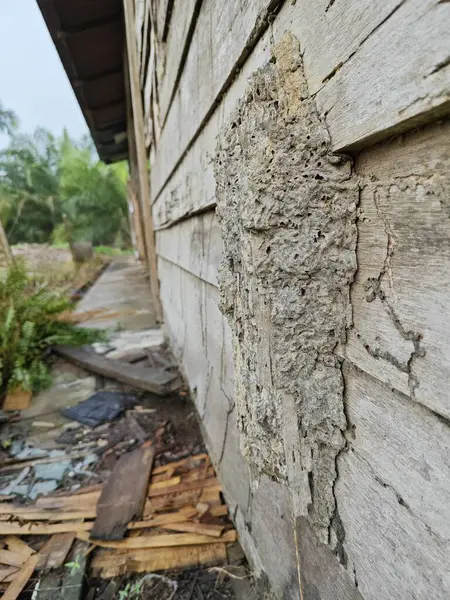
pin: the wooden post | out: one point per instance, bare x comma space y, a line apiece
143, 174
5, 250
136, 221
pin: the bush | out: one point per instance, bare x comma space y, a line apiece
29, 326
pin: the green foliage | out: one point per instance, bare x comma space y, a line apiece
73, 566
131, 591
29, 327
56, 190
8, 120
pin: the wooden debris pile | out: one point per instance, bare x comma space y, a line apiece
142, 519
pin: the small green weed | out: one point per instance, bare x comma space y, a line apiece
74, 566
131, 591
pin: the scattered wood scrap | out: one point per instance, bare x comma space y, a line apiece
180, 521
123, 497
158, 381
21, 578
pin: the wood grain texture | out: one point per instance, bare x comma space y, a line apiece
221, 41
21, 579
192, 186
123, 496
194, 245
386, 85
54, 552
392, 494
162, 540
364, 39
108, 564
400, 299
177, 45
201, 340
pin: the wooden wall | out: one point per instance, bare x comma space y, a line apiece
380, 73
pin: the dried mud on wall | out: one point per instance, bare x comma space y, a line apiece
287, 208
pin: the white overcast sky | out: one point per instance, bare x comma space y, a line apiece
33, 82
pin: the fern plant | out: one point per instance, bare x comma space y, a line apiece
29, 327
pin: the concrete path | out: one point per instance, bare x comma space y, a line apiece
124, 289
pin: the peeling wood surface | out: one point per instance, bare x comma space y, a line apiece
393, 482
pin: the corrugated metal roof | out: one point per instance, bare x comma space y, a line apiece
89, 36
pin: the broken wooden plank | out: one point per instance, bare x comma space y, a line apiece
47, 515
6, 573
35, 528
159, 541
18, 546
65, 583
53, 554
210, 495
158, 381
21, 579
69, 503
200, 528
113, 564
17, 400
189, 462
12, 559
187, 486
123, 497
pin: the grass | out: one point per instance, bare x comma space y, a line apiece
107, 250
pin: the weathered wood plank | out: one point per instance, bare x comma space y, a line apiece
177, 44
123, 496
192, 187
109, 564
163, 540
401, 333
228, 32
201, 340
351, 30
144, 378
54, 552
386, 85
195, 245
395, 477
21, 579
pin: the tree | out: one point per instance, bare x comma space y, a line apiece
54, 188
8, 120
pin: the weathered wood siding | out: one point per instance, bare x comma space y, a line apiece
375, 70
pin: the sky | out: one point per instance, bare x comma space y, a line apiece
33, 82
